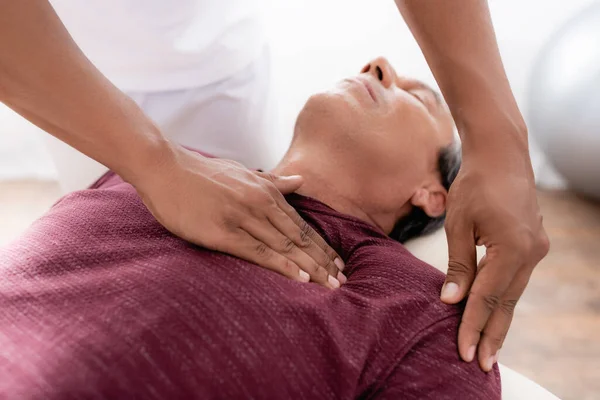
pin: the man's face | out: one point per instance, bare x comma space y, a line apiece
398, 123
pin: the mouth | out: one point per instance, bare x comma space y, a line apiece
366, 86
369, 89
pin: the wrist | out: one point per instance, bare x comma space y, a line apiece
500, 147
146, 158
494, 135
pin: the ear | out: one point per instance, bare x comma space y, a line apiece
431, 199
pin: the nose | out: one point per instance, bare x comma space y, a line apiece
381, 69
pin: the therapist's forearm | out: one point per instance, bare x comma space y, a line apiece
47, 79
458, 41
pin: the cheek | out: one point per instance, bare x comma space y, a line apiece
333, 110
409, 140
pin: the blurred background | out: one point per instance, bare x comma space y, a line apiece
555, 337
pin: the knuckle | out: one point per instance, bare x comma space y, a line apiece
314, 269
330, 253
491, 301
305, 231
304, 238
331, 268
458, 269
530, 245
320, 274
275, 193
262, 250
259, 198
289, 268
287, 245
269, 176
508, 307
543, 244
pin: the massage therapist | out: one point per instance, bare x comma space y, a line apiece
185, 64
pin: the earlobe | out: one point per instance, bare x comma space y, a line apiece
431, 200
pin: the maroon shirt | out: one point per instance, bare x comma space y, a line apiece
99, 301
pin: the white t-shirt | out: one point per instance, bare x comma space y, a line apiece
159, 45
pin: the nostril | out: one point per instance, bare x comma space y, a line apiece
379, 73
366, 68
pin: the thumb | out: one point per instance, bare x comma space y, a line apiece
285, 184
462, 264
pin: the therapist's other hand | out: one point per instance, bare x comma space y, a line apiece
221, 205
492, 203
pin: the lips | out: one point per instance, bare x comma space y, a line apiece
369, 89
365, 85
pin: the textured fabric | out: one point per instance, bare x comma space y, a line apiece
159, 45
98, 301
231, 119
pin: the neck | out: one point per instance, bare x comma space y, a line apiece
339, 193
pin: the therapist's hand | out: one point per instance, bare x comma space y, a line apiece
492, 203
221, 205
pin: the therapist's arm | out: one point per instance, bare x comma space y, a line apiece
214, 203
493, 200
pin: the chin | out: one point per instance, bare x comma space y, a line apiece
329, 112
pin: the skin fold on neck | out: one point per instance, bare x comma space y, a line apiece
320, 186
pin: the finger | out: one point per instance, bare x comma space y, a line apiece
302, 234
284, 184
495, 330
462, 261
308, 250
265, 232
493, 279
248, 248
308, 239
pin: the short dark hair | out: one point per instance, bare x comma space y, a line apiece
417, 223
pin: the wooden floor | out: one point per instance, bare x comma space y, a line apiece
555, 337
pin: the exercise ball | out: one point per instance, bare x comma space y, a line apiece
564, 101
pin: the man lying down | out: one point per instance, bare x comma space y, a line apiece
99, 301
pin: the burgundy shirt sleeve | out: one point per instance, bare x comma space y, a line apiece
432, 369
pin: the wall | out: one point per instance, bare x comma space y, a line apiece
316, 42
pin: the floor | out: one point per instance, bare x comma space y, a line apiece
555, 336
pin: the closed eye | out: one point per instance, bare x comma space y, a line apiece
416, 96
420, 99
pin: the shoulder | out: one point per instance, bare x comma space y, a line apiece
398, 271
432, 369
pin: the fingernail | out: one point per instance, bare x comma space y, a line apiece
333, 282
291, 177
449, 291
489, 363
339, 263
342, 278
470, 353
304, 277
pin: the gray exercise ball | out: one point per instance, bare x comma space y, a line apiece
564, 101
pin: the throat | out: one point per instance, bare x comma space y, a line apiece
339, 193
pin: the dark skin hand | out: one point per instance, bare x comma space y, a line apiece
245, 215
493, 200
217, 204
46, 78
